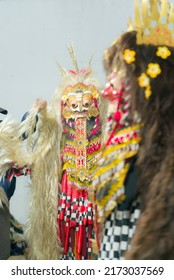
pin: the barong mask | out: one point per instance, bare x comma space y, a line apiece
80, 100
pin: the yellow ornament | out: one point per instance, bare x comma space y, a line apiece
163, 52
152, 22
129, 56
153, 70
148, 92
143, 80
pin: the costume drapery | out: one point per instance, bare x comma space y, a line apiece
82, 141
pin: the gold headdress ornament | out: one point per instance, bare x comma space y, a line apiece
77, 91
154, 22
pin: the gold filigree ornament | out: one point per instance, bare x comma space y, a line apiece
66, 113
79, 86
93, 112
154, 22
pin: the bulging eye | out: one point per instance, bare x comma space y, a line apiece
74, 105
86, 104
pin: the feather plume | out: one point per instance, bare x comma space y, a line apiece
73, 57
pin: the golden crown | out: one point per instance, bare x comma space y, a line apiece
154, 22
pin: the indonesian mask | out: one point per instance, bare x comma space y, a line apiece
80, 100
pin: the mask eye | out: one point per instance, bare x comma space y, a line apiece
86, 104
74, 105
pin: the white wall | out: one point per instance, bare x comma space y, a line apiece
35, 32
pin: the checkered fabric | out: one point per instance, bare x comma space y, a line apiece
118, 231
75, 220
70, 254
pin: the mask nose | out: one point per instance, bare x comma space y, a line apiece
80, 107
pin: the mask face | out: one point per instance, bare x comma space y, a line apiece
79, 103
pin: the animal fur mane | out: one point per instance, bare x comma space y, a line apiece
42, 155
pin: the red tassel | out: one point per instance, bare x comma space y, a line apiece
61, 232
66, 244
72, 236
80, 238
84, 243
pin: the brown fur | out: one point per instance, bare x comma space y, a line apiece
154, 236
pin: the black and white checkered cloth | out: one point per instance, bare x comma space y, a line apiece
118, 230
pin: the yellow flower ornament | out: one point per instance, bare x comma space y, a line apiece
129, 56
163, 52
148, 92
143, 80
153, 70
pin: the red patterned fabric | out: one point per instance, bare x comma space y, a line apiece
75, 219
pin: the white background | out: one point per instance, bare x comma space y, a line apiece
96, 269
33, 33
